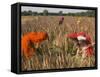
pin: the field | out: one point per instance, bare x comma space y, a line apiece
59, 52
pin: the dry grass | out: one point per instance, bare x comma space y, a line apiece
58, 52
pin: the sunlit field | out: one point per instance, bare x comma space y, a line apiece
59, 51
